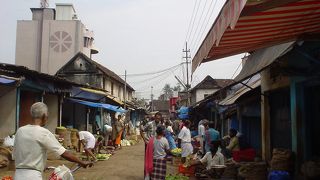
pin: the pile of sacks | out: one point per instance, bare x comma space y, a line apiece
6, 151
282, 160
253, 170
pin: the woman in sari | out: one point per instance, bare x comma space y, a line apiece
119, 129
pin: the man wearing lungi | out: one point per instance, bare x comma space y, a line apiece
184, 141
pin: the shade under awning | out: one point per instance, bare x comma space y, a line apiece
262, 58
231, 99
266, 23
99, 105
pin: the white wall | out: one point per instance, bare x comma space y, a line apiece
201, 92
26, 43
7, 112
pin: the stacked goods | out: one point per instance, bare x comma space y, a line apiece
282, 160
74, 139
231, 170
67, 139
5, 157
311, 169
176, 161
61, 131
253, 170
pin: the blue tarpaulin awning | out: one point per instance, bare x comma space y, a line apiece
99, 105
7, 80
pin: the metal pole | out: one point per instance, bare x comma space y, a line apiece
125, 89
187, 64
152, 99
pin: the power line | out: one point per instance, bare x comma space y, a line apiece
155, 72
204, 6
199, 2
192, 15
203, 28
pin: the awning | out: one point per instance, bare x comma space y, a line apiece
94, 91
262, 58
94, 94
99, 105
231, 99
8, 80
257, 24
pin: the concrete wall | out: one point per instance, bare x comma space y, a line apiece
60, 41
268, 84
201, 92
26, 43
7, 111
52, 101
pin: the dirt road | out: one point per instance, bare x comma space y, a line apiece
127, 163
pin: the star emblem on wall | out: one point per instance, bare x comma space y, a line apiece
60, 41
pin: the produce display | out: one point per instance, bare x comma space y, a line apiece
176, 177
103, 157
7, 178
176, 151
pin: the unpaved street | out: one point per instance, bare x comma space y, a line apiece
127, 163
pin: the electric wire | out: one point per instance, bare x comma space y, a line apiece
152, 73
199, 2
192, 15
200, 18
204, 28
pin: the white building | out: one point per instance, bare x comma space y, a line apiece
51, 38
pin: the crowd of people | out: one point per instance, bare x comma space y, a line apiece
206, 150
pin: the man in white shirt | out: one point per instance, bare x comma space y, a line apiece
184, 141
201, 133
32, 142
88, 141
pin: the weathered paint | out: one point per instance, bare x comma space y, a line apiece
18, 91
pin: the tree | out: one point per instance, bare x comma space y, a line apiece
177, 88
167, 91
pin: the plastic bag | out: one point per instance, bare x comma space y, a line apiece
61, 173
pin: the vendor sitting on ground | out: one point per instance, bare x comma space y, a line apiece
88, 141
234, 141
211, 158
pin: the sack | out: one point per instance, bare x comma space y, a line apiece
107, 128
61, 173
8, 141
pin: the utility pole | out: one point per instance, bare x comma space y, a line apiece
187, 56
152, 99
125, 89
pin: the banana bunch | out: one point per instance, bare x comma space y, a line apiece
176, 151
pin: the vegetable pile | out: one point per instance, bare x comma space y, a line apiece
103, 157
176, 177
176, 151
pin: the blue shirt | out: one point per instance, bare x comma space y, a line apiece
210, 135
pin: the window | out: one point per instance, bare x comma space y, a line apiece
119, 92
112, 88
86, 42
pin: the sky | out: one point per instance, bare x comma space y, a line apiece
139, 36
